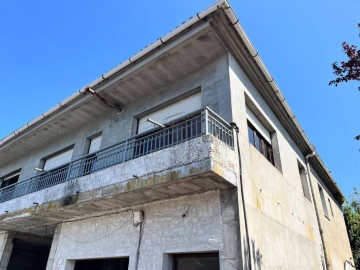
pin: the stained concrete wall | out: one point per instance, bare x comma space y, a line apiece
283, 229
282, 222
199, 155
6, 245
335, 237
212, 80
198, 223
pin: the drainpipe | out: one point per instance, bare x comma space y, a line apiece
236, 128
327, 263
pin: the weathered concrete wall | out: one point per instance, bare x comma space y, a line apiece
282, 223
6, 246
212, 80
199, 155
186, 224
335, 236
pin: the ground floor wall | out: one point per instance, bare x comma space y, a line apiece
6, 245
206, 222
279, 236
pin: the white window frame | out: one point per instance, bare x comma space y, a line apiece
58, 159
170, 113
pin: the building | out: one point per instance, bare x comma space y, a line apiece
186, 156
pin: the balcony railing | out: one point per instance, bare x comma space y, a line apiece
189, 127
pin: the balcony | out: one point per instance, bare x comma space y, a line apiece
193, 154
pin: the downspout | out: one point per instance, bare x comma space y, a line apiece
236, 128
327, 263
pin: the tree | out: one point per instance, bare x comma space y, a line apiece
352, 220
348, 70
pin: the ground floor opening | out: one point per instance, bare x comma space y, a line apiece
103, 264
29, 254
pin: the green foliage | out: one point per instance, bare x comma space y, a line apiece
352, 220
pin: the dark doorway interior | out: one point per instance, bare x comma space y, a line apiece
103, 264
28, 255
197, 261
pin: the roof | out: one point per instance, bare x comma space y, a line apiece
284, 111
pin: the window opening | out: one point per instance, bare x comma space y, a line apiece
331, 210
170, 113
260, 143
58, 165
89, 163
196, 261
304, 182
58, 160
10, 179
323, 202
7, 188
181, 130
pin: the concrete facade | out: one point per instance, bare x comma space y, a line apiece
166, 231
198, 196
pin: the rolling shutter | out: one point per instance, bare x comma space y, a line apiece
58, 160
13, 175
258, 125
95, 144
172, 112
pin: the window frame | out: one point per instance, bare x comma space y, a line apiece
323, 202
331, 209
304, 180
195, 95
57, 153
6, 178
260, 143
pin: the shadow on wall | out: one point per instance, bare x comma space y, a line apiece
256, 256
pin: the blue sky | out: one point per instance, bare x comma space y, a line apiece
50, 49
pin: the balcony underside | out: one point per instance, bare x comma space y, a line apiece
191, 167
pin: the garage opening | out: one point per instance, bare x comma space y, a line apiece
103, 264
196, 261
29, 255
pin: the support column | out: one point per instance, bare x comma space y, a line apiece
230, 255
54, 246
6, 245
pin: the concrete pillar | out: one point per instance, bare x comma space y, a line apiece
230, 255
54, 246
6, 245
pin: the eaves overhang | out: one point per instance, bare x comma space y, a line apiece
237, 42
235, 39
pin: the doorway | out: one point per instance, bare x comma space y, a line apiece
29, 255
103, 264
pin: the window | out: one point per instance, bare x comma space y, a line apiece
93, 146
7, 188
260, 143
170, 113
55, 170
179, 132
331, 210
196, 261
176, 115
10, 179
304, 182
323, 202
57, 160
259, 136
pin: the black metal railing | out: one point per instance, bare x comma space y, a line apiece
184, 129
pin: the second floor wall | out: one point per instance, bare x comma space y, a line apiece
210, 81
